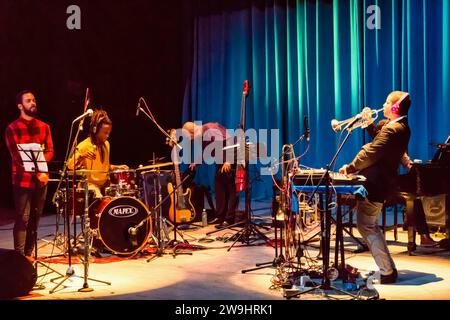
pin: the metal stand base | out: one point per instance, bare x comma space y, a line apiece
272, 264
36, 263
245, 234
71, 273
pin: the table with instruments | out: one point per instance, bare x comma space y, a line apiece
342, 186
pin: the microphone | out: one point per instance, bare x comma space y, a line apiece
88, 113
138, 108
306, 126
133, 238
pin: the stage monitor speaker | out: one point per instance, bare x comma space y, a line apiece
434, 208
17, 274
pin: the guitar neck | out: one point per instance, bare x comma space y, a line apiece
178, 178
242, 124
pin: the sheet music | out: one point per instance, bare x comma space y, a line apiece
31, 153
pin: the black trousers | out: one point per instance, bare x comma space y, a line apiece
226, 197
29, 204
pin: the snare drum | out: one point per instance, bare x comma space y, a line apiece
112, 220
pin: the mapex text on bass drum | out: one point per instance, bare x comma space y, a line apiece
112, 219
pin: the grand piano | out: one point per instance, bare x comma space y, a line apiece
429, 179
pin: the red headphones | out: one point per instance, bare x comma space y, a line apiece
395, 108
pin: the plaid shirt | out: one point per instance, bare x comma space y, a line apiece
24, 131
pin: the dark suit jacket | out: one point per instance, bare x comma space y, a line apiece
379, 160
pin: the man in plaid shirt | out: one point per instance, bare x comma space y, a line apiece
30, 189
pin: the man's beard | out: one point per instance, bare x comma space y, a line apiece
32, 112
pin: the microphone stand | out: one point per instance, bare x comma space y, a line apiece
152, 118
70, 271
326, 227
278, 223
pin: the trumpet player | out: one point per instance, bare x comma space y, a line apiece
378, 161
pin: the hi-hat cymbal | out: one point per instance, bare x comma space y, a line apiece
154, 166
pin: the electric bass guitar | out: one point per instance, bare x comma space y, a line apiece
181, 209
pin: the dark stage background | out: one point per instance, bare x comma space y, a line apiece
124, 50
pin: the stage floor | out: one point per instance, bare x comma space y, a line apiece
213, 273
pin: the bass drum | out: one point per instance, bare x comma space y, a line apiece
113, 219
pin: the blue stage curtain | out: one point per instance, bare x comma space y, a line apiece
318, 58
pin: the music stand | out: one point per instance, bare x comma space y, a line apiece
249, 228
33, 160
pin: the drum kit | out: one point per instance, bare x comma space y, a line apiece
127, 203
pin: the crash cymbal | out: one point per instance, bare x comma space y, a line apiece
154, 166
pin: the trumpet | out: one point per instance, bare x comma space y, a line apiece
363, 120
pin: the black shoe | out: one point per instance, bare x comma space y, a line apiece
390, 278
222, 225
411, 247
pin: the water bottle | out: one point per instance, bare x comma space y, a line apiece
204, 218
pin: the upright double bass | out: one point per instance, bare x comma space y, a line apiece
241, 173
